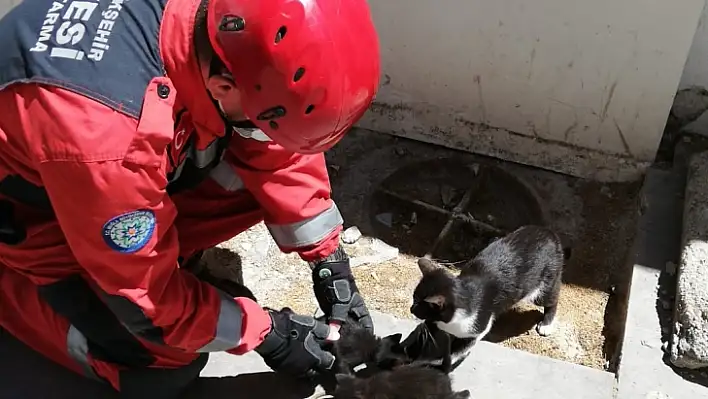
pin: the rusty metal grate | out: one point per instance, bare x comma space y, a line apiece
450, 210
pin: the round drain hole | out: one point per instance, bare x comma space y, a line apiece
449, 209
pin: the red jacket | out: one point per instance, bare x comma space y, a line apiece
97, 163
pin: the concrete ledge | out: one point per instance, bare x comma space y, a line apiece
689, 348
492, 372
643, 372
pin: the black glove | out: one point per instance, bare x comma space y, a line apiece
294, 344
336, 291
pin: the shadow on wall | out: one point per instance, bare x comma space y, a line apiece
27, 374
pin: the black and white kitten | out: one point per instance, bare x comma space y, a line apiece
405, 382
525, 265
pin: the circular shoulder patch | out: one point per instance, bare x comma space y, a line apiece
130, 231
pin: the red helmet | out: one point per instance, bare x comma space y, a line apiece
307, 70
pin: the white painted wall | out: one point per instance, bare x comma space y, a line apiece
580, 87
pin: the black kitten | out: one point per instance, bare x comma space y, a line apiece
360, 352
405, 382
429, 345
527, 264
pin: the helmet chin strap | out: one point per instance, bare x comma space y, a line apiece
231, 124
244, 128
244, 124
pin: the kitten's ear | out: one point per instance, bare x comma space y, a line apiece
437, 300
427, 265
286, 310
413, 337
392, 340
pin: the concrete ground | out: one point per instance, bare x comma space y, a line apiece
492, 372
646, 370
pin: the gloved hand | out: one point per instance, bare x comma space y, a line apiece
294, 344
336, 291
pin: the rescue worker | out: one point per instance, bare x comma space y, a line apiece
134, 134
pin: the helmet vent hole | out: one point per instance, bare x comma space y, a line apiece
298, 74
272, 113
258, 87
309, 109
281, 34
232, 23
273, 125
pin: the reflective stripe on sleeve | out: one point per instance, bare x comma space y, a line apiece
307, 232
77, 347
228, 327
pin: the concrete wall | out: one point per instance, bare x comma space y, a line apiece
692, 100
580, 87
695, 72
583, 88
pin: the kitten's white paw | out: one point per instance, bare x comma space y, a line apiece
545, 331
